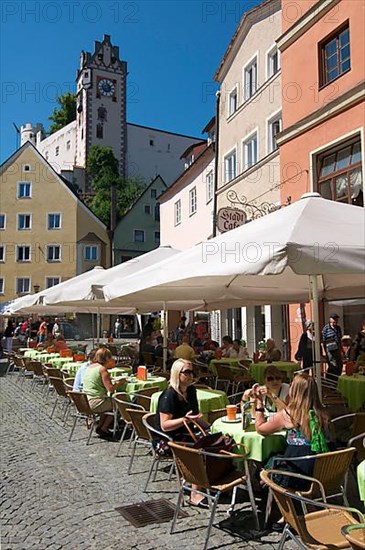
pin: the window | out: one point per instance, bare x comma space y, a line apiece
22, 285
250, 152
99, 131
210, 185
232, 103
250, 79
23, 253
273, 62
153, 193
2, 253
26, 168
68, 145
152, 143
138, 236
52, 281
24, 190
274, 127
157, 212
46, 155
157, 237
335, 56
192, 201
147, 209
53, 253
2, 286
54, 221
339, 174
91, 253
230, 167
24, 221
2, 221
177, 208
57, 151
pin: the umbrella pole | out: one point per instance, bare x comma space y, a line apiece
165, 333
313, 281
98, 327
93, 329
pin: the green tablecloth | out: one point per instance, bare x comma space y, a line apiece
259, 447
257, 369
58, 362
361, 480
120, 371
133, 384
47, 357
208, 400
32, 353
353, 388
73, 366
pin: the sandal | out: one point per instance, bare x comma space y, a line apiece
202, 504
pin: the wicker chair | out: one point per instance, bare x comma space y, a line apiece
123, 404
38, 374
48, 372
192, 467
149, 423
141, 434
215, 414
61, 395
355, 535
83, 411
319, 530
329, 470
143, 397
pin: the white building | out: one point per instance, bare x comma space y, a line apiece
101, 120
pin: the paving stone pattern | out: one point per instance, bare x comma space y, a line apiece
59, 494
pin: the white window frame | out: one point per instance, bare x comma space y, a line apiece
17, 280
144, 209
247, 144
2, 285
48, 224
210, 185
2, 253
47, 279
4, 217
30, 221
48, 249
25, 247
232, 101
90, 248
246, 69
193, 201
274, 118
269, 62
142, 231
226, 159
177, 212
25, 184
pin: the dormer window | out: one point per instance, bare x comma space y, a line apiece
26, 168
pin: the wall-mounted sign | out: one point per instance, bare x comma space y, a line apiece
230, 218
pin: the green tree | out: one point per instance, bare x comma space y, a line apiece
66, 112
102, 168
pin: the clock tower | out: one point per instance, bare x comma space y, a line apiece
101, 103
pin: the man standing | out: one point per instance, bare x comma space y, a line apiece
331, 346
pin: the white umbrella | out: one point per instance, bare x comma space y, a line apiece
270, 260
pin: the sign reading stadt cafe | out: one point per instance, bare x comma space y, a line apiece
230, 218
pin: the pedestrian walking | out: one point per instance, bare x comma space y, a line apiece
331, 346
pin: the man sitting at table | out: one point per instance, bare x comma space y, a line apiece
271, 353
228, 350
60, 343
184, 351
241, 351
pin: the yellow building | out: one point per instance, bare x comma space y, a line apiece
47, 234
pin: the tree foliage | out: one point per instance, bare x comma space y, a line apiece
102, 168
66, 112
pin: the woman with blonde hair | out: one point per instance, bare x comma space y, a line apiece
96, 385
176, 404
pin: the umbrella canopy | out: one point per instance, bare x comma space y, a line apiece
264, 262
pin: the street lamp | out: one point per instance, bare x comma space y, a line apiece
36, 288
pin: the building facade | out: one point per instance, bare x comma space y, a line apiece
322, 142
47, 235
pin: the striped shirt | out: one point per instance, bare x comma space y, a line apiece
331, 334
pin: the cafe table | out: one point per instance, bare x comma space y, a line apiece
361, 480
133, 384
46, 357
73, 366
58, 362
120, 371
259, 447
32, 353
232, 362
257, 369
208, 400
353, 388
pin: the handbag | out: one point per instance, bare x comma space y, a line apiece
331, 346
212, 443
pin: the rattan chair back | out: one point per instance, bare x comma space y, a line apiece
81, 402
58, 385
36, 367
136, 417
123, 403
190, 464
355, 535
51, 371
330, 469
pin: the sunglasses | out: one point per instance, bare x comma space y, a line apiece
272, 378
187, 372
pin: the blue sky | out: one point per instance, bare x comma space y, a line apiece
173, 49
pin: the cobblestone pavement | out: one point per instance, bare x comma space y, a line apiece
60, 494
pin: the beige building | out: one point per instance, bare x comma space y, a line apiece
250, 110
47, 235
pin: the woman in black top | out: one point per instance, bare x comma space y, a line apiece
305, 347
177, 403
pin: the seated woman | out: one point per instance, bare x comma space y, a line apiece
96, 385
304, 420
177, 403
274, 392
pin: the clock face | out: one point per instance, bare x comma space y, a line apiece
106, 87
